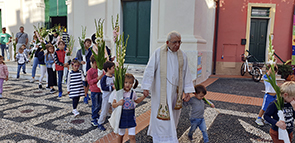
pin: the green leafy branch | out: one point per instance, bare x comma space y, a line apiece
272, 80
70, 46
207, 101
13, 43
120, 70
272, 77
81, 41
100, 43
41, 33
121, 46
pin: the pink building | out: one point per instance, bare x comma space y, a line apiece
246, 25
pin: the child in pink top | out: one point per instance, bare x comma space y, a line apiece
3, 74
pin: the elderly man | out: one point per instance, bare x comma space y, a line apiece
4, 42
167, 76
21, 38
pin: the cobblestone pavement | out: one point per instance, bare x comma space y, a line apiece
28, 114
237, 103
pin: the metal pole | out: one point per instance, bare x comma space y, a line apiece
216, 36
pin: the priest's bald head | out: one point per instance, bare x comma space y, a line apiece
173, 41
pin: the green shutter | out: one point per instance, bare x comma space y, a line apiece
62, 8
54, 8
136, 24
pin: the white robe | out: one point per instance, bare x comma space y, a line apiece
165, 130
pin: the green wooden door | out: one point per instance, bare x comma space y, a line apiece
136, 24
55, 9
258, 35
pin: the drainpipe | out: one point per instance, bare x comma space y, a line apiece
216, 36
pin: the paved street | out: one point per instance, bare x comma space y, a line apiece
32, 115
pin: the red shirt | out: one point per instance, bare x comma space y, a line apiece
59, 59
92, 80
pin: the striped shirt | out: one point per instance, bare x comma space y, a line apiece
66, 38
75, 83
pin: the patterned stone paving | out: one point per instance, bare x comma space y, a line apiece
28, 114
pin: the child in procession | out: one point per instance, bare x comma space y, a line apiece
79, 56
49, 61
59, 58
93, 78
35, 61
3, 74
107, 86
127, 120
21, 59
27, 51
75, 85
269, 96
271, 113
43, 68
197, 107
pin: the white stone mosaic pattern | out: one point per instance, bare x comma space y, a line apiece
29, 114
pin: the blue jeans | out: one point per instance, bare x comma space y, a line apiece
3, 49
59, 82
199, 122
96, 104
19, 67
35, 64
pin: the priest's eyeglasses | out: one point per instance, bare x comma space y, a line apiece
174, 42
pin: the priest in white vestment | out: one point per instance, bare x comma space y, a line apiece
174, 81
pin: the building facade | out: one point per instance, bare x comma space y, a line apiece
147, 22
246, 25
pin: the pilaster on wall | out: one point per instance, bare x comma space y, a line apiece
41, 10
79, 15
75, 19
170, 15
112, 9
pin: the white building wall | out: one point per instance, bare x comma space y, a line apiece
193, 19
16, 13
82, 13
204, 32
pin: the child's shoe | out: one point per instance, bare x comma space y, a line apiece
0, 95
52, 91
75, 112
40, 86
32, 80
101, 127
190, 138
60, 94
24, 72
85, 100
259, 122
94, 123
